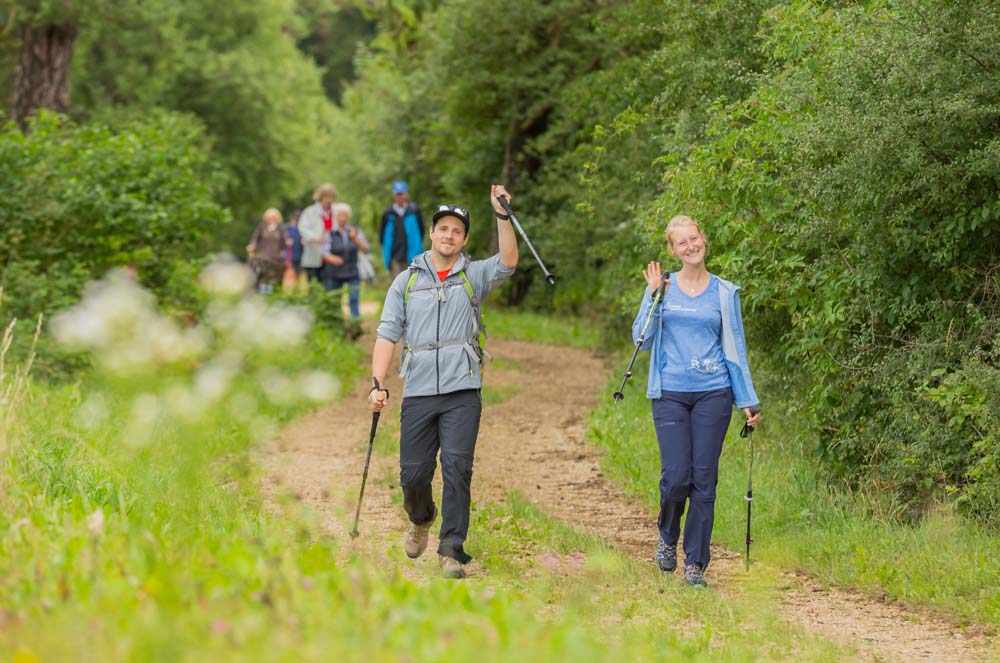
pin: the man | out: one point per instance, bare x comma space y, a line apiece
401, 230
433, 307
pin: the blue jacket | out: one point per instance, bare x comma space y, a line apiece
293, 234
401, 238
734, 346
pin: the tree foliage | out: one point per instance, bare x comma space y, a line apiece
845, 158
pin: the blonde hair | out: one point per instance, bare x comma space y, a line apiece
325, 189
343, 207
682, 221
272, 211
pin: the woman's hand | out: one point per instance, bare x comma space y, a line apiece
654, 277
336, 261
753, 418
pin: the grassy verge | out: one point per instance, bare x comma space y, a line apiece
162, 551
538, 328
800, 522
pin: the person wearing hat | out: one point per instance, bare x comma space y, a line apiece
401, 230
433, 308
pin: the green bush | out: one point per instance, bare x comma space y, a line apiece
78, 200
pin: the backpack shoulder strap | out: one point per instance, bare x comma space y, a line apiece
411, 279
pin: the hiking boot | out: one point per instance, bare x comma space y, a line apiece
694, 575
416, 540
666, 557
451, 567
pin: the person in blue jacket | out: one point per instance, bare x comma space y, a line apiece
698, 371
401, 231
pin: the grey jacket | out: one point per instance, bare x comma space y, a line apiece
438, 324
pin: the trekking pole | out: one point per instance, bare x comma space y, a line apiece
368, 460
513, 219
620, 394
747, 433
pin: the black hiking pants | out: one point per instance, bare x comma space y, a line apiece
449, 422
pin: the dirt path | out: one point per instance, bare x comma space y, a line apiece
534, 443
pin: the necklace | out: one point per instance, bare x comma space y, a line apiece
692, 288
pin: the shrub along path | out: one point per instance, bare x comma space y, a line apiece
532, 441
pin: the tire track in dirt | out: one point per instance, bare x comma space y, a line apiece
533, 441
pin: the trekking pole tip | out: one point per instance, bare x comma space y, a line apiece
354, 533
618, 396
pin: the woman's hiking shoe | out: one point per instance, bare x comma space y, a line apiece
666, 557
451, 567
416, 540
694, 575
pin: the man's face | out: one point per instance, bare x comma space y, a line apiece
448, 236
401, 198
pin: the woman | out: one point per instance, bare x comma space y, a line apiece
314, 228
698, 370
268, 250
341, 256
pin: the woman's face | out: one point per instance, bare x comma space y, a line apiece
326, 201
688, 244
343, 217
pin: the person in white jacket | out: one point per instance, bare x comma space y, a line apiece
314, 227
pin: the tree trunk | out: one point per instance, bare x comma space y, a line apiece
41, 79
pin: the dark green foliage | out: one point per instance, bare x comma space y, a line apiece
844, 157
78, 200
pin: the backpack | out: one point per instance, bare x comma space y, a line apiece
479, 333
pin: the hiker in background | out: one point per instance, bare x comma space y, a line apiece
293, 268
697, 372
401, 231
346, 243
268, 250
314, 227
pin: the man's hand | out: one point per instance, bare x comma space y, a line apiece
496, 191
378, 397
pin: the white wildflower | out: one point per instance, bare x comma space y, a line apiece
226, 277
183, 403
95, 523
212, 381
318, 385
277, 387
93, 412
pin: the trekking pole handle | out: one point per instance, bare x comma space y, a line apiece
505, 204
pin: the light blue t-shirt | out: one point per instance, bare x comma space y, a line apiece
691, 340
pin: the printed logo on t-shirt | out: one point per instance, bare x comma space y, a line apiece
678, 307
706, 365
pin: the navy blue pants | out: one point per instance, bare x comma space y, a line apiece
690, 427
448, 423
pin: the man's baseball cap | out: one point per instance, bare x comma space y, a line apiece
399, 186
451, 210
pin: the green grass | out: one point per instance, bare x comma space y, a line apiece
519, 325
628, 608
188, 565
800, 522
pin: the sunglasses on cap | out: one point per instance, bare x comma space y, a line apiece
452, 210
